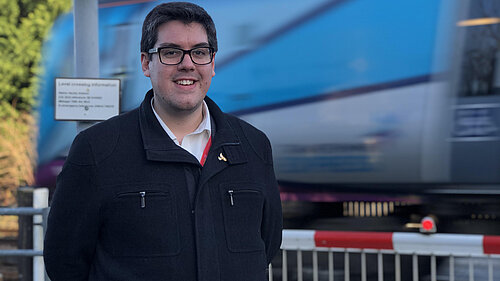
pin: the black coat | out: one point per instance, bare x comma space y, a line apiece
121, 210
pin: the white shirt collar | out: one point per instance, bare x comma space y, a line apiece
205, 125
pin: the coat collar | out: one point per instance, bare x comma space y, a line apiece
159, 147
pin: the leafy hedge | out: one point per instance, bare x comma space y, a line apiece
24, 25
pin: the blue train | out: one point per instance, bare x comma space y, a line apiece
364, 101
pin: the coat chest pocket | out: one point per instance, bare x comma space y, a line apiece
242, 208
143, 223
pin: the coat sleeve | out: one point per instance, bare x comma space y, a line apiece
272, 223
72, 226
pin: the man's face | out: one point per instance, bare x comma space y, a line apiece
179, 89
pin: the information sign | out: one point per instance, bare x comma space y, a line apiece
86, 99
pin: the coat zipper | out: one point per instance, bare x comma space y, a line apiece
143, 199
231, 194
142, 196
231, 197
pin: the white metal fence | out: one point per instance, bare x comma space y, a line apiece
40, 212
338, 255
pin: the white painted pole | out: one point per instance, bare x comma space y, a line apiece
40, 200
86, 44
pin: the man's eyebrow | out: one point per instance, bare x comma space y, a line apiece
166, 44
204, 44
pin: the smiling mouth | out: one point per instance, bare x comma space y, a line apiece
184, 82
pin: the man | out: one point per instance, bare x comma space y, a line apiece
173, 190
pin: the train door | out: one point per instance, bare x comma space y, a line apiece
475, 139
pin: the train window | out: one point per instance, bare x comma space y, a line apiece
480, 68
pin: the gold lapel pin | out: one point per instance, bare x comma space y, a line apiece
221, 157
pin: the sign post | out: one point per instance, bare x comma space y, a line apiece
86, 44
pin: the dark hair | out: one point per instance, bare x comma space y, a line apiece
181, 11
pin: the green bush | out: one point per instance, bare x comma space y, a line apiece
24, 25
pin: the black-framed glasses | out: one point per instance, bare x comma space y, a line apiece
174, 56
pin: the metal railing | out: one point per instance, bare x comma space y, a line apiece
40, 212
25, 211
336, 255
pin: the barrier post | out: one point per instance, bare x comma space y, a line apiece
284, 265
40, 201
331, 268
25, 236
380, 266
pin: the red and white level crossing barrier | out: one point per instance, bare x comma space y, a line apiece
340, 255
401, 242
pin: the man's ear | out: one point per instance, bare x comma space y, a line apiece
145, 64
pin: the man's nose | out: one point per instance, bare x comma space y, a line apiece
186, 63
